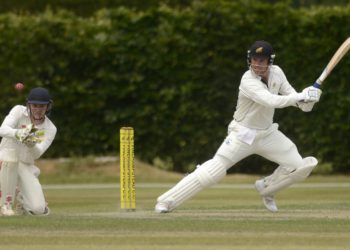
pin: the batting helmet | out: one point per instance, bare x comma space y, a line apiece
261, 49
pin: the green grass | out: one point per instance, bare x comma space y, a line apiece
313, 215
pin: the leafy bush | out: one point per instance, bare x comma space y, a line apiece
173, 75
83, 7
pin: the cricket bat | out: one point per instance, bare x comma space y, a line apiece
343, 49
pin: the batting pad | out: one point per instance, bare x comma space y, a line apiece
204, 176
280, 180
8, 178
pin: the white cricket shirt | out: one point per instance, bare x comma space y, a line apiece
257, 101
18, 118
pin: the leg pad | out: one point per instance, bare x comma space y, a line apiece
282, 179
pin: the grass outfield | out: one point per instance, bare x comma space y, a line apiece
313, 215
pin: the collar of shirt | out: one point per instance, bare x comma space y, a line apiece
258, 77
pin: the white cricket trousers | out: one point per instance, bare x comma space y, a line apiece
271, 144
30, 188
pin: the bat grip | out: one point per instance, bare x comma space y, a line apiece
317, 85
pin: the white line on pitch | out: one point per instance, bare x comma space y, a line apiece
168, 185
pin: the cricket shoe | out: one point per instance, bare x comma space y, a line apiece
21, 211
163, 207
268, 200
46, 212
270, 204
6, 210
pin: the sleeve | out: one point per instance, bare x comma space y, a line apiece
9, 125
256, 91
286, 88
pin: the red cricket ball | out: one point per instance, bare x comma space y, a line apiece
19, 86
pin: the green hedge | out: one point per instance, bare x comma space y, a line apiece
88, 7
83, 7
173, 75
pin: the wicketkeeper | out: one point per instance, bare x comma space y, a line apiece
263, 88
26, 134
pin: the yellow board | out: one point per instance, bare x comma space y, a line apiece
127, 169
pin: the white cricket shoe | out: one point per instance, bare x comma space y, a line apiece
21, 211
270, 204
46, 212
268, 200
162, 207
6, 210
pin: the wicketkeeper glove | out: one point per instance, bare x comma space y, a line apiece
22, 133
30, 135
33, 138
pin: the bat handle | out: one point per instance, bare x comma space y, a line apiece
317, 85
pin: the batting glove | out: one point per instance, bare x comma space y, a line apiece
306, 106
311, 94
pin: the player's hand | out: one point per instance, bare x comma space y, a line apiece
311, 94
33, 138
22, 133
306, 106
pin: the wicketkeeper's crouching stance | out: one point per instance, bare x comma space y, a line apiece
263, 88
27, 133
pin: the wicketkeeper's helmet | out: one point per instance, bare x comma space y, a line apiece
40, 95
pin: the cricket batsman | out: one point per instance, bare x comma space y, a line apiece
26, 134
263, 88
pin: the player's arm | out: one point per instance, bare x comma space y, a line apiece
259, 94
8, 127
256, 91
287, 89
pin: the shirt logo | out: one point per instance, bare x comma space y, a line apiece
228, 141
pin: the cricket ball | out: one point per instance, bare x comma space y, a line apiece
19, 86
